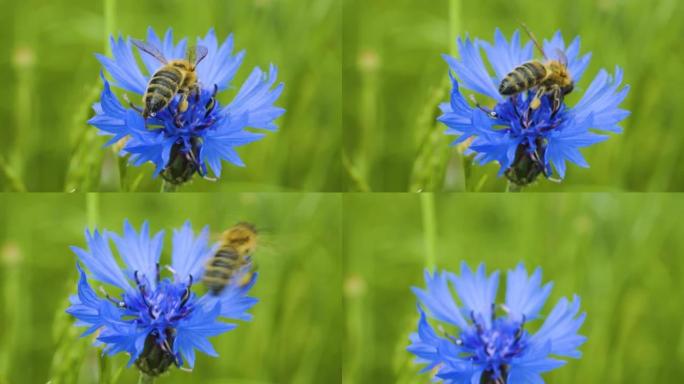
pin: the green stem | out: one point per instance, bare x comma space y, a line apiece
454, 18
144, 379
427, 205
105, 369
92, 205
168, 187
109, 22
513, 187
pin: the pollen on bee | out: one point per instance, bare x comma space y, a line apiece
535, 103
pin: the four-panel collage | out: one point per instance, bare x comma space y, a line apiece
341, 191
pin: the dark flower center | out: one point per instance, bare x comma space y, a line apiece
183, 162
530, 127
157, 356
188, 128
493, 346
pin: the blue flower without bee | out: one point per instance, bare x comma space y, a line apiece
526, 134
158, 321
491, 345
194, 132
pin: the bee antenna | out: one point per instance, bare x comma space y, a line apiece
534, 39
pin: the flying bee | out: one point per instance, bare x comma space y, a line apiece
236, 246
174, 77
549, 78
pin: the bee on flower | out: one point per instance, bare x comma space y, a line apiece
152, 313
530, 130
172, 117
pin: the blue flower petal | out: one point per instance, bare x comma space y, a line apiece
504, 57
220, 66
471, 69
190, 253
477, 291
100, 261
193, 333
601, 101
560, 329
123, 67
219, 145
437, 298
234, 300
525, 296
255, 100
140, 252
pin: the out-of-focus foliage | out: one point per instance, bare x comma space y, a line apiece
395, 77
622, 254
51, 78
293, 337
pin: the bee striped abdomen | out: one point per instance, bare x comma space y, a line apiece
161, 88
221, 269
522, 78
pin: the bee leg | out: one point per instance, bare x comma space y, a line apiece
135, 107
186, 293
209, 107
183, 102
536, 101
196, 91
557, 97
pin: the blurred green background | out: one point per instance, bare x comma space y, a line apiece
293, 337
394, 78
51, 78
621, 253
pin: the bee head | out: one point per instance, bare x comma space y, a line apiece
568, 88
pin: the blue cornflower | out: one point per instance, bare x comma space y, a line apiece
491, 345
157, 321
183, 143
527, 142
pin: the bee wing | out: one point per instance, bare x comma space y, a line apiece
150, 50
197, 53
562, 57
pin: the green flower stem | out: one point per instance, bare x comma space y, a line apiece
109, 23
427, 205
454, 18
513, 187
92, 209
144, 379
168, 187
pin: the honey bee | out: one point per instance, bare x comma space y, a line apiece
549, 78
234, 255
175, 77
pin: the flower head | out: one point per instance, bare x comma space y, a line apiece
157, 321
491, 345
527, 139
183, 140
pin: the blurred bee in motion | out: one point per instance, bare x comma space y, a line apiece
549, 78
174, 77
232, 263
